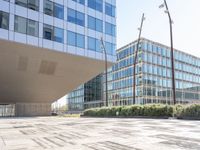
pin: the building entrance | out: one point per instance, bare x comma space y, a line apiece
7, 110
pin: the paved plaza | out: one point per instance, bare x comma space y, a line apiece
57, 133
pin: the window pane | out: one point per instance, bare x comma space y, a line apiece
98, 45
91, 43
32, 28
58, 11
21, 2
48, 7
48, 32
99, 5
71, 38
76, 17
80, 18
4, 20
80, 41
110, 9
71, 15
20, 24
99, 25
96, 4
109, 48
91, 23
80, 1
33, 4
58, 35
110, 29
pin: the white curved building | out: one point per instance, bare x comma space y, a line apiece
48, 48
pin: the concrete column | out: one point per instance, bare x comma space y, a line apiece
32, 109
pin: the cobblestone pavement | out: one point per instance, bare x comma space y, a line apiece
57, 133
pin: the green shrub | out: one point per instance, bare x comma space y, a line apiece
188, 111
149, 110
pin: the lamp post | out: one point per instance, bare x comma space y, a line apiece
106, 69
172, 49
135, 58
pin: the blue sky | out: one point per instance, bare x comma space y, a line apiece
185, 14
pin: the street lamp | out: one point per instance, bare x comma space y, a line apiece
106, 69
172, 50
135, 58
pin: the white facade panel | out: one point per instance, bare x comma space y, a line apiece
47, 44
18, 37
4, 34
33, 15
58, 46
21, 11
4, 6
32, 40
16, 9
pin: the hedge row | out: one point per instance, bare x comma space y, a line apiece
149, 110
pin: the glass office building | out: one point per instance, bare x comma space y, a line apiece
153, 75
52, 47
88, 95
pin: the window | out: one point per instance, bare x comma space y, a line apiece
32, 4
76, 17
71, 38
110, 10
53, 9
4, 20
58, 35
96, 4
80, 40
80, 1
21, 2
48, 32
26, 26
20, 24
58, 11
32, 28
110, 48
75, 39
95, 24
48, 7
94, 44
110, 29
53, 33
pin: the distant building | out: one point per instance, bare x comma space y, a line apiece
153, 76
88, 95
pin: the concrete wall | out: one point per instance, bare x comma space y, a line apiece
32, 109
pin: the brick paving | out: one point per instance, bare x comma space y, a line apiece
57, 133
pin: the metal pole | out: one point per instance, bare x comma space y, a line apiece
172, 54
135, 59
106, 70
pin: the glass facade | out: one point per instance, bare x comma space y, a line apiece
88, 95
153, 76
62, 22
